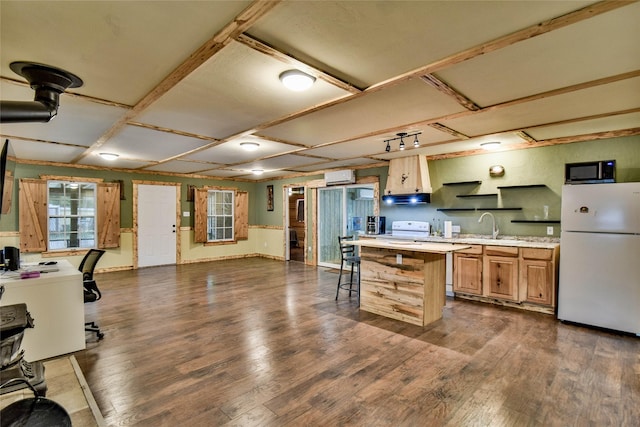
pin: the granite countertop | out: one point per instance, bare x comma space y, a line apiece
479, 239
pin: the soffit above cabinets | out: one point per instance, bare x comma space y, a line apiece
174, 87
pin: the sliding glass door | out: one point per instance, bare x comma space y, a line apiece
342, 211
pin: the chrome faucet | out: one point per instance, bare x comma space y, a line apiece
494, 230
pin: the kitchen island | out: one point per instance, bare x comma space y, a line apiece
404, 280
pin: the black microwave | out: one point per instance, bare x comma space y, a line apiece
596, 172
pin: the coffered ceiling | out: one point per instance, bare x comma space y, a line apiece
176, 86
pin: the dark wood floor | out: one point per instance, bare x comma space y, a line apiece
258, 342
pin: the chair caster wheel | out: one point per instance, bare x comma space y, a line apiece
100, 336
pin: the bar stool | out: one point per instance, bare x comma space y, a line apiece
349, 258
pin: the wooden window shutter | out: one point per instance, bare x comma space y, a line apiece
108, 215
200, 215
32, 212
241, 216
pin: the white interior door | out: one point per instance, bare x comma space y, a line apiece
156, 225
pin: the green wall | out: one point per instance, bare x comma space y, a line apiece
9, 222
541, 165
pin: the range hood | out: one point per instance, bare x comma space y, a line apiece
408, 181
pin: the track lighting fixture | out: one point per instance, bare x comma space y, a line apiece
401, 136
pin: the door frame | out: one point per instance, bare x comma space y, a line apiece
287, 222
366, 181
178, 187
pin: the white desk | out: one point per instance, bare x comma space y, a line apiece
56, 303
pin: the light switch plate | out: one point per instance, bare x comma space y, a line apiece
398, 258
549, 231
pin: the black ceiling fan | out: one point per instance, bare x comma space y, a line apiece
48, 82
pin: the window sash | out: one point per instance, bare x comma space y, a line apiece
72, 216
220, 215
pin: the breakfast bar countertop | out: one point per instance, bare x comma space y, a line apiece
406, 245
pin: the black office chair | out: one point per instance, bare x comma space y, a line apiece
348, 256
91, 291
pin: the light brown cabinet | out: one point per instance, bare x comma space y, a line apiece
517, 276
467, 270
500, 277
537, 275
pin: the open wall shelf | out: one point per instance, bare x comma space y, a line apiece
463, 183
476, 209
456, 209
499, 209
509, 187
536, 221
478, 195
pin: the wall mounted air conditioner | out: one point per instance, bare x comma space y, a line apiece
339, 177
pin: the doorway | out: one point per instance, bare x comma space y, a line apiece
342, 211
157, 224
296, 219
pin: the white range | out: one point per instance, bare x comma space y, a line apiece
411, 229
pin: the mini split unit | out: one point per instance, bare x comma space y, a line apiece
339, 177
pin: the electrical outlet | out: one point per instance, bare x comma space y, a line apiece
549, 231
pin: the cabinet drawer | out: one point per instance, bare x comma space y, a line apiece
537, 253
509, 251
474, 249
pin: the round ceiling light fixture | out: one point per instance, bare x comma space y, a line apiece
296, 80
109, 156
490, 145
249, 146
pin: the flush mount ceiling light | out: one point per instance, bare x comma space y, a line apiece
490, 145
249, 146
296, 80
401, 136
257, 171
109, 156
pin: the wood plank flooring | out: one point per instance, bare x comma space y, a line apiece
258, 342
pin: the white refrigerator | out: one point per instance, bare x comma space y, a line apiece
599, 282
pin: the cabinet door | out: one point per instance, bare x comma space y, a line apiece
467, 274
501, 277
537, 279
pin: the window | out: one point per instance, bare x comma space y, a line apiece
220, 215
71, 215
37, 219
